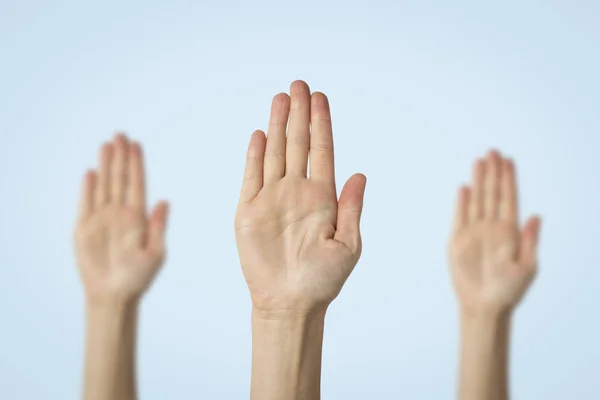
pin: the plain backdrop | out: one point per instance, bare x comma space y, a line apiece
418, 90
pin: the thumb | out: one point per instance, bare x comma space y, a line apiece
529, 242
350, 207
157, 227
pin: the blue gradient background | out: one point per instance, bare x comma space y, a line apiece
417, 90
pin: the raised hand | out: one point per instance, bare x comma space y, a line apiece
492, 260
297, 242
119, 248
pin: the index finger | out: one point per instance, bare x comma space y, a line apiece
509, 209
322, 165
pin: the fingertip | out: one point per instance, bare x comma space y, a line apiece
106, 150
494, 154
361, 179
135, 147
531, 230
121, 142
90, 175
281, 100
357, 181
89, 180
533, 221
166, 207
163, 206
121, 147
258, 141
319, 97
464, 192
495, 165
160, 213
299, 86
479, 167
353, 192
319, 106
120, 136
536, 222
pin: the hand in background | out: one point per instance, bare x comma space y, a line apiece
119, 248
297, 242
492, 260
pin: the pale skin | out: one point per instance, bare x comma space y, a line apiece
119, 249
297, 242
493, 261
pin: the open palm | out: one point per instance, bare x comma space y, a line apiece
119, 248
297, 243
492, 260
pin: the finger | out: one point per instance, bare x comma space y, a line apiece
476, 201
298, 140
118, 173
103, 176
529, 242
350, 208
157, 227
253, 175
275, 149
492, 186
137, 181
509, 210
321, 140
461, 215
86, 202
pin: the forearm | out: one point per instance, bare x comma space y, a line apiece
484, 356
110, 351
286, 355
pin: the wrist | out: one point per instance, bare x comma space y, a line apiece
289, 331
288, 316
294, 325
111, 311
489, 315
111, 302
485, 328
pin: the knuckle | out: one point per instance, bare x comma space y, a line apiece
274, 154
298, 139
321, 147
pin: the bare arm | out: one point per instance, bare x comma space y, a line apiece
119, 251
286, 355
297, 242
110, 351
484, 357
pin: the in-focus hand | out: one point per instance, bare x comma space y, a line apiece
119, 248
297, 242
492, 260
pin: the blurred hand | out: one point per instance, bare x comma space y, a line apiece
119, 248
492, 260
297, 242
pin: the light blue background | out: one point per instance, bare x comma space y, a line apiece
417, 91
